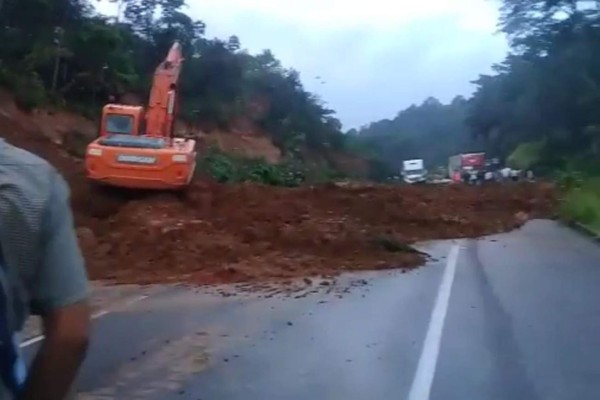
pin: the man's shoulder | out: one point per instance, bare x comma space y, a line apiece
13, 155
25, 175
17, 162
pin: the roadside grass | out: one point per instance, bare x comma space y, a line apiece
582, 204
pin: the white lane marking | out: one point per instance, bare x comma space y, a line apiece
96, 315
423, 380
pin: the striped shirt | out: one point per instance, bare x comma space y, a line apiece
41, 266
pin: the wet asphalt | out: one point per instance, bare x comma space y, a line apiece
522, 322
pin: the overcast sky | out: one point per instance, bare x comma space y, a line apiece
375, 57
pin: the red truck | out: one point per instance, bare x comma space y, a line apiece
467, 163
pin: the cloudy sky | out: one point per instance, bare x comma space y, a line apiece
374, 58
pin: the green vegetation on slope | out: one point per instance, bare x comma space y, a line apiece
63, 52
541, 107
432, 131
548, 89
582, 204
526, 155
231, 168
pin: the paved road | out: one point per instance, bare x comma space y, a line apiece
514, 316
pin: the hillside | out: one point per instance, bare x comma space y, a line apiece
90, 58
71, 132
431, 131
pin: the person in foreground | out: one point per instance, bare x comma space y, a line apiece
42, 272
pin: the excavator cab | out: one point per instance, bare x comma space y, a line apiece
141, 162
136, 148
121, 120
123, 155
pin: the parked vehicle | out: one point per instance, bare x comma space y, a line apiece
466, 167
136, 148
413, 171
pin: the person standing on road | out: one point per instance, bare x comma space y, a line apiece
489, 176
42, 272
514, 175
456, 177
530, 175
505, 172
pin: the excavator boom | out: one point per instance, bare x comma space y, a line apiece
160, 116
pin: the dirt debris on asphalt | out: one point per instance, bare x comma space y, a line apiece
251, 233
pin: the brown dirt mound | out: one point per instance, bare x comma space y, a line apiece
250, 232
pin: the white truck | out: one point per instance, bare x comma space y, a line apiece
413, 171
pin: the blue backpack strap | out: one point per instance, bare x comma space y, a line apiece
10, 360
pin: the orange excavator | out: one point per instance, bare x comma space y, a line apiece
137, 149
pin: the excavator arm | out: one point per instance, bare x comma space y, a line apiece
163, 103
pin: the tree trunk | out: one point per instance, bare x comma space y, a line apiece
55, 73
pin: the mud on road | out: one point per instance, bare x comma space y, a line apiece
248, 232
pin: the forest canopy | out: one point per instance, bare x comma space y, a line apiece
64, 52
432, 131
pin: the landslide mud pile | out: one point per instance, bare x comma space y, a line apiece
248, 232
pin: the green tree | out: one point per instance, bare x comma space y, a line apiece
432, 131
61, 50
547, 89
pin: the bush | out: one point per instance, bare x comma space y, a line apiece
588, 164
581, 203
27, 88
232, 168
570, 179
526, 155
